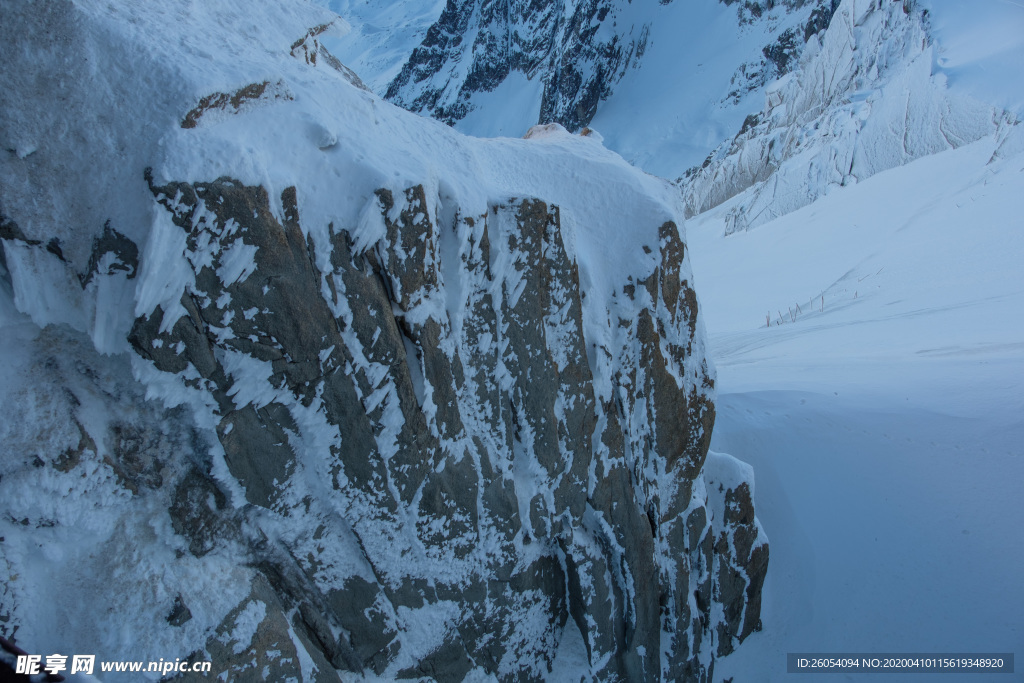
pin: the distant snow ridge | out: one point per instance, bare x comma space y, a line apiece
416, 405
578, 49
862, 100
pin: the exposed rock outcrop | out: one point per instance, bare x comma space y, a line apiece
377, 399
483, 483
781, 55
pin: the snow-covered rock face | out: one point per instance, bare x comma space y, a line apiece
441, 406
477, 44
862, 99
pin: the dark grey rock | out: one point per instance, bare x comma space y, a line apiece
125, 255
267, 652
130, 453
368, 628
10, 230
256, 449
465, 464
450, 662
70, 457
197, 508
781, 55
180, 613
742, 568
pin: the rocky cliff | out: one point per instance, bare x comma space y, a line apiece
376, 398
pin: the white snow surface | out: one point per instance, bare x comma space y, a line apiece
980, 49
884, 417
667, 113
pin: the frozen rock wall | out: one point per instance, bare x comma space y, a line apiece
377, 398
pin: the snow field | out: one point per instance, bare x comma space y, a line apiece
885, 425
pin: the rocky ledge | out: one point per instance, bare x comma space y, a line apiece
467, 469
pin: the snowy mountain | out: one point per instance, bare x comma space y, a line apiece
574, 49
308, 387
311, 388
693, 90
870, 366
498, 68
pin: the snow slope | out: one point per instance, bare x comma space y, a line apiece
667, 113
884, 416
863, 99
383, 35
980, 49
